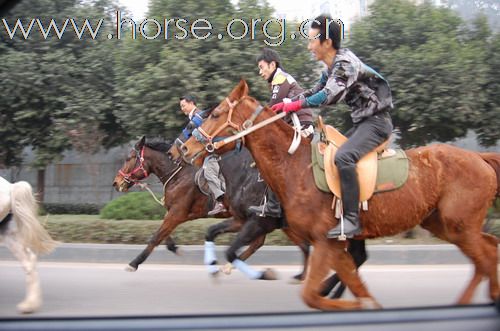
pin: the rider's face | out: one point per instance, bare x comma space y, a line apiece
266, 69
320, 50
186, 106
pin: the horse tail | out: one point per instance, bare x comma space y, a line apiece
25, 210
493, 159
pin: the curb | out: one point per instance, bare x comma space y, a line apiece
267, 255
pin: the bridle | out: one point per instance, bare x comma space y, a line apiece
208, 140
139, 158
213, 142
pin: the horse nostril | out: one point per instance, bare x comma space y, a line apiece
184, 149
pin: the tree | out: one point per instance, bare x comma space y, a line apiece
436, 71
57, 88
155, 73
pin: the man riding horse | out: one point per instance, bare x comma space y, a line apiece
211, 169
369, 97
283, 86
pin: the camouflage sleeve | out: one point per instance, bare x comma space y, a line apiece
335, 88
318, 87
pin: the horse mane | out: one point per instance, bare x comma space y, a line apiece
159, 144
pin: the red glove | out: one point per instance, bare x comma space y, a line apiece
287, 107
277, 107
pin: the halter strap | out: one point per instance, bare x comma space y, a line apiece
140, 158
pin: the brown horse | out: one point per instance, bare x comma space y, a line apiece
177, 180
448, 193
184, 202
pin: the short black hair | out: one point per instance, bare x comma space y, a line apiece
269, 55
335, 29
188, 98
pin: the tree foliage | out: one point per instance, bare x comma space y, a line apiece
84, 94
56, 90
439, 69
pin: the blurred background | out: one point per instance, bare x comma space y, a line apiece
71, 108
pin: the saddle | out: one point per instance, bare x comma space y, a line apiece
366, 167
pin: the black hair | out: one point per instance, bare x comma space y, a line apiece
269, 55
334, 32
188, 98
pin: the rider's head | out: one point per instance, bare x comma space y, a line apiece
325, 36
187, 103
268, 61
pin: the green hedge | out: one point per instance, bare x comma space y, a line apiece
92, 229
70, 208
133, 206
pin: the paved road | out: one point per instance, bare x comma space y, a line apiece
268, 255
86, 289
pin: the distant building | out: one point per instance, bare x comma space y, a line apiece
348, 11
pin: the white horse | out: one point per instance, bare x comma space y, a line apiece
24, 236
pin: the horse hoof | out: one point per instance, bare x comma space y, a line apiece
28, 307
179, 252
269, 274
214, 276
227, 268
369, 303
129, 268
295, 281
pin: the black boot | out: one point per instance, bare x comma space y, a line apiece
271, 209
350, 201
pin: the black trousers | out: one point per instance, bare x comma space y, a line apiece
364, 137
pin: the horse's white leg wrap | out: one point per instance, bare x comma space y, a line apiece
246, 269
210, 257
33, 299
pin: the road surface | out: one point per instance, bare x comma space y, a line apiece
98, 289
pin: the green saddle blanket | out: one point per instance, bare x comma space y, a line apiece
392, 171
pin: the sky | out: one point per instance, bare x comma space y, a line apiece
291, 8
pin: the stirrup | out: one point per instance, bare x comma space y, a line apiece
257, 210
343, 236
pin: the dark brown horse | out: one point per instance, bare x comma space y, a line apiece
184, 201
177, 180
448, 193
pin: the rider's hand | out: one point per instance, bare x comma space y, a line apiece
277, 107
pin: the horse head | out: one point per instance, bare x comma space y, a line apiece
134, 169
221, 122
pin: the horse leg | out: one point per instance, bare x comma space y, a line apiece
252, 248
229, 225
171, 245
357, 250
483, 253
251, 230
318, 270
481, 248
170, 222
33, 299
304, 247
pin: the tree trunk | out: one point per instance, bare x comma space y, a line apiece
40, 184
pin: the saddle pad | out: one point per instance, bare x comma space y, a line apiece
201, 182
318, 165
392, 171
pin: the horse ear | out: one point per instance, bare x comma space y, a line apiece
240, 90
140, 143
244, 87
